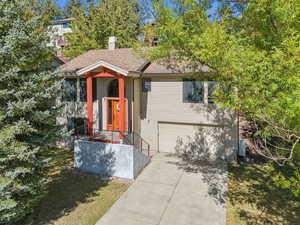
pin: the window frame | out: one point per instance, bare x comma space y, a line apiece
69, 96
210, 96
186, 98
72, 125
146, 84
66, 25
82, 90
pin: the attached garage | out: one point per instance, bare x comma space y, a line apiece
207, 140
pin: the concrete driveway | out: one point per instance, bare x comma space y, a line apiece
169, 192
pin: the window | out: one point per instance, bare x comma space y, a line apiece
77, 125
65, 25
70, 124
155, 42
95, 89
109, 113
146, 85
69, 90
82, 90
113, 88
193, 91
211, 88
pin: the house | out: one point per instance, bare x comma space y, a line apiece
115, 90
57, 31
149, 37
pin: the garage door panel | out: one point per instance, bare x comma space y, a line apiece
198, 139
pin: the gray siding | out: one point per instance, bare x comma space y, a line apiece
164, 103
136, 106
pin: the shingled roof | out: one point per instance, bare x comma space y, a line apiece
123, 58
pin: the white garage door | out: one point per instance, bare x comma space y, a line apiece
203, 139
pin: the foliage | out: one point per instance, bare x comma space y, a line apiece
253, 49
71, 6
53, 10
288, 177
82, 37
254, 198
27, 119
93, 25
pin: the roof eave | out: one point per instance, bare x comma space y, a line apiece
134, 74
165, 74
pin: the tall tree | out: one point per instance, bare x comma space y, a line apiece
71, 6
27, 118
254, 55
92, 27
54, 11
253, 50
83, 36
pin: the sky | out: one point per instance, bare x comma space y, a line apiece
61, 2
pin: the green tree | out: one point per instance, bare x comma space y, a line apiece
27, 118
93, 26
253, 50
83, 37
54, 11
71, 6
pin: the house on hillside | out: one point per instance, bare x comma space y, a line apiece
57, 31
113, 96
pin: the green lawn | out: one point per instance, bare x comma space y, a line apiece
253, 200
75, 198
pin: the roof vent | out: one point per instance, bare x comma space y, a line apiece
112, 41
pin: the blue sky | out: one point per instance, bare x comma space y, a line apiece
61, 2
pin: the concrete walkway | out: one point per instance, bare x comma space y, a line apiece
166, 193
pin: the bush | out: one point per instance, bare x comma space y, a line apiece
27, 120
288, 176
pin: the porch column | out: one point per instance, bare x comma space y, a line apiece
89, 104
121, 80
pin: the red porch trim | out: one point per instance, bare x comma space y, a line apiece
103, 74
89, 104
89, 84
121, 80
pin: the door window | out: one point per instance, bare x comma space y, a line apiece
109, 112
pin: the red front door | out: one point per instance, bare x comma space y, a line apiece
113, 108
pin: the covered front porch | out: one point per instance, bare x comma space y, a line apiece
107, 107
111, 146
112, 104
102, 96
